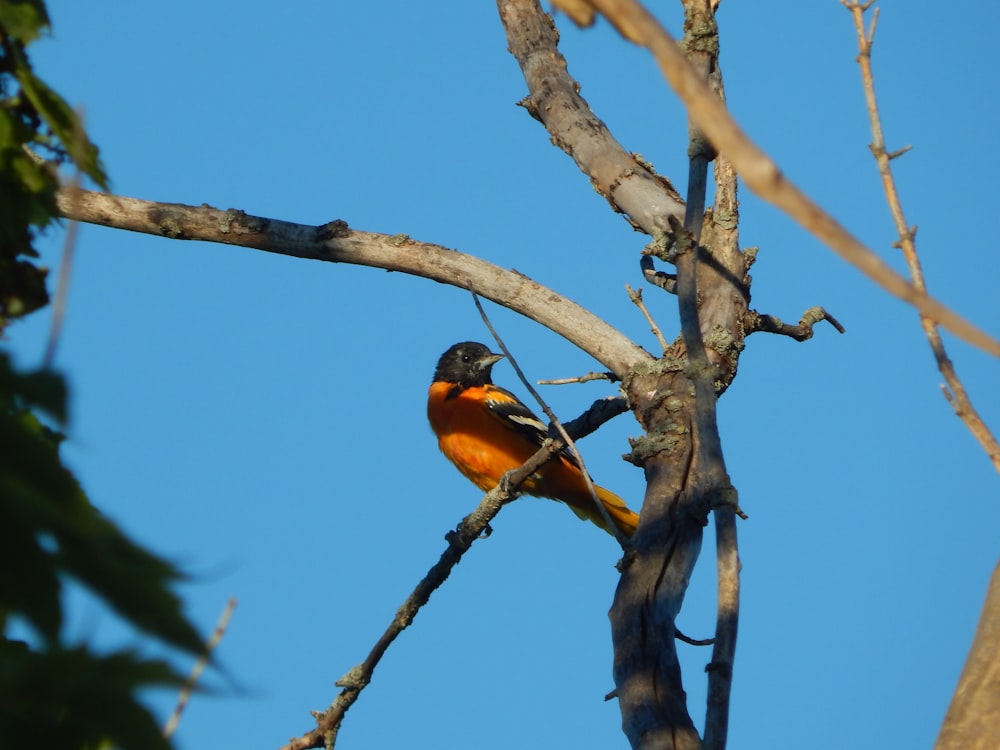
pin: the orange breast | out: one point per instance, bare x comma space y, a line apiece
483, 449
472, 439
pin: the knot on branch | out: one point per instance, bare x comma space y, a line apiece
237, 221
668, 244
355, 679
721, 668
332, 230
646, 447
726, 497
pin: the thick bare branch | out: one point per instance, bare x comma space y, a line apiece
627, 183
337, 243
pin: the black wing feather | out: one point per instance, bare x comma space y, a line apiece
515, 416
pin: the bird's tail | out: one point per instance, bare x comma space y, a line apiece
625, 519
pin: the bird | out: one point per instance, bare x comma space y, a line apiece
485, 431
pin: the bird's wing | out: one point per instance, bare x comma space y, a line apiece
514, 415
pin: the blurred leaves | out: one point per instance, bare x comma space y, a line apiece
39, 132
73, 699
53, 693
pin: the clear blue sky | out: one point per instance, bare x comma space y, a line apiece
260, 419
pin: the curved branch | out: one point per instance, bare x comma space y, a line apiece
337, 243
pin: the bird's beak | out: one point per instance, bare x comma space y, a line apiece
488, 361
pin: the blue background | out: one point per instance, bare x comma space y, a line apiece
260, 419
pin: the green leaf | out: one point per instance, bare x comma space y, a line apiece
42, 388
29, 584
40, 499
63, 122
24, 20
75, 699
132, 580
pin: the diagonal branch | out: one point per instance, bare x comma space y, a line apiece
955, 392
335, 242
628, 183
763, 176
472, 527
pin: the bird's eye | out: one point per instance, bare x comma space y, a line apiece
466, 358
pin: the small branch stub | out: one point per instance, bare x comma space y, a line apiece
755, 321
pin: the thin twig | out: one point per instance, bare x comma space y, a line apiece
610, 376
635, 295
554, 421
199, 666
692, 641
66, 261
958, 397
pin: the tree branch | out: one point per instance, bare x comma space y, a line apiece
762, 175
335, 242
710, 479
755, 321
628, 184
472, 527
956, 393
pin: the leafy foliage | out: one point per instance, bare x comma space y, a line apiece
52, 693
34, 121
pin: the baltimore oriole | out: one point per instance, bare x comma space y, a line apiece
486, 431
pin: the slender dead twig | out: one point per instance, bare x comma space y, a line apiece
62, 292
955, 392
610, 376
66, 261
554, 421
692, 641
635, 295
199, 666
